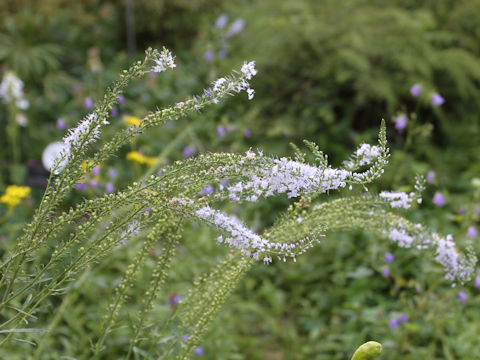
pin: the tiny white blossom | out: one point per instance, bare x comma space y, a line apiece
248, 69
166, 60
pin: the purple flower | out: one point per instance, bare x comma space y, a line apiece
385, 272
221, 131
185, 337
477, 282
198, 351
403, 318
472, 232
247, 133
174, 300
236, 28
109, 188
88, 103
389, 257
121, 100
223, 184
462, 296
208, 190
439, 199
401, 122
221, 21
208, 56
416, 90
208, 93
437, 99
93, 184
112, 173
114, 111
393, 324
81, 186
461, 211
430, 177
96, 171
477, 211
189, 151
61, 124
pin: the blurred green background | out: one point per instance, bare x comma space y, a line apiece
329, 71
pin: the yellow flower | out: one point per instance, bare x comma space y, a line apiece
14, 195
131, 120
139, 158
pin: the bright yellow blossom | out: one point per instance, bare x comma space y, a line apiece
14, 195
131, 120
139, 158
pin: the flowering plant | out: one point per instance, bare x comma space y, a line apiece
57, 249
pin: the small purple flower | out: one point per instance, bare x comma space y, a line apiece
385, 272
221, 131
208, 56
223, 184
439, 199
88, 103
93, 184
208, 93
401, 122
208, 190
416, 90
389, 257
189, 151
437, 100
477, 211
174, 300
112, 173
247, 133
109, 188
462, 296
96, 171
185, 337
61, 124
81, 186
461, 211
114, 111
403, 318
121, 100
236, 28
393, 324
430, 177
221, 21
472, 232
477, 282
198, 351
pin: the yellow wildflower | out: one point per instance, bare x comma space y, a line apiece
14, 195
131, 120
139, 158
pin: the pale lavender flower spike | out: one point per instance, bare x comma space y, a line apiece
164, 61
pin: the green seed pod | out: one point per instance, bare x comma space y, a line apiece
368, 351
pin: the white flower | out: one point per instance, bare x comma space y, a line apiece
398, 199
11, 89
248, 69
166, 60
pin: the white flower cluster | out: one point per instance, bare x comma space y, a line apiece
446, 254
165, 60
85, 133
287, 176
241, 236
398, 199
224, 86
364, 155
132, 229
11, 89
